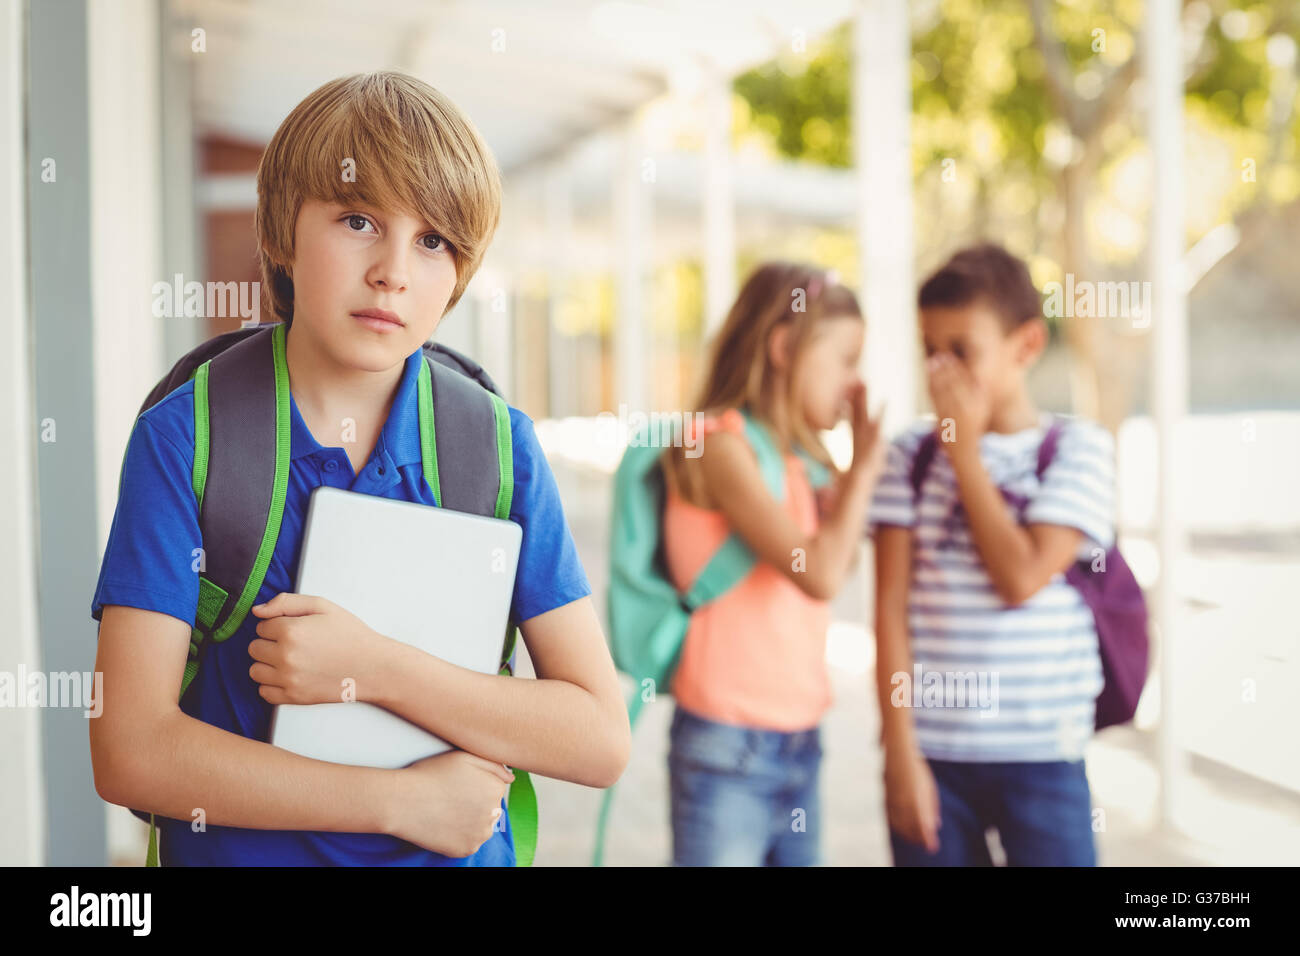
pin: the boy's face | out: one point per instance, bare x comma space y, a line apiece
974, 335
350, 258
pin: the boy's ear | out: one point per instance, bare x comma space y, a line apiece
1030, 341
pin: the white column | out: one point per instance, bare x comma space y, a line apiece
127, 247
183, 240
1164, 83
557, 223
495, 317
719, 203
882, 116
631, 196
22, 798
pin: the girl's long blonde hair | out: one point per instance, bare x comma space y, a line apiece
739, 372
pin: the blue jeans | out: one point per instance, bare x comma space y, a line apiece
743, 797
1042, 811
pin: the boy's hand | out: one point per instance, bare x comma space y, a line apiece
912, 798
307, 647
449, 803
957, 396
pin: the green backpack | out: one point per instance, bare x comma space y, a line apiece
648, 617
241, 471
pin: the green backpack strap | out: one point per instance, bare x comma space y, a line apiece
727, 567
240, 480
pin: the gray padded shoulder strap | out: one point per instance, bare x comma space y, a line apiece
241, 462
465, 434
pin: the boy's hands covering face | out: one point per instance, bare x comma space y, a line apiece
306, 647
958, 396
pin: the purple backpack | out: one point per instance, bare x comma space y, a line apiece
1113, 596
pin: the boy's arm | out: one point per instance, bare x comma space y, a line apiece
912, 802
1019, 560
149, 755
570, 723
893, 655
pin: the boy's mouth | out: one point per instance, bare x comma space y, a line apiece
380, 319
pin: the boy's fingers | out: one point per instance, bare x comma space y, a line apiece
290, 604
933, 823
927, 835
500, 769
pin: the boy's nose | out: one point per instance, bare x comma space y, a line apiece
390, 271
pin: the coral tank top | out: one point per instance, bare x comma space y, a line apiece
756, 656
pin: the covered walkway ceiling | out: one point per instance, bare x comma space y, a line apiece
536, 78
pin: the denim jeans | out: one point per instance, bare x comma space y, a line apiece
741, 796
1042, 812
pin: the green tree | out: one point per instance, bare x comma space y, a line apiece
1033, 104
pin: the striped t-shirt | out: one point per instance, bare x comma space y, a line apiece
991, 682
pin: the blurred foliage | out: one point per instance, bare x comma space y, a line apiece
989, 142
983, 113
678, 300
584, 305
801, 104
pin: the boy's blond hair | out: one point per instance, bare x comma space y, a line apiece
410, 149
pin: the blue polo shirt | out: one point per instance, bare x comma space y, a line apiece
148, 564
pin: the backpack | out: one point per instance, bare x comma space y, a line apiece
648, 617
1112, 594
241, 470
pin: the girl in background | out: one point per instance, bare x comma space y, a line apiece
751, 686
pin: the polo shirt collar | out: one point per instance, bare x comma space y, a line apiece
400, 436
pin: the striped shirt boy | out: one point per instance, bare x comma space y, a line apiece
992, 682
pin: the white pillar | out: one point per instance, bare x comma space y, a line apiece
1164, 83
719, 203
127, 247
882, 116
22, 798
557, 222
631, 196
491, 291
183, 240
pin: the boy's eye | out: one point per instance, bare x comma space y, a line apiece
356, 222
959, 353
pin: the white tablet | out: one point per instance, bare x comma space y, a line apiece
438, 580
